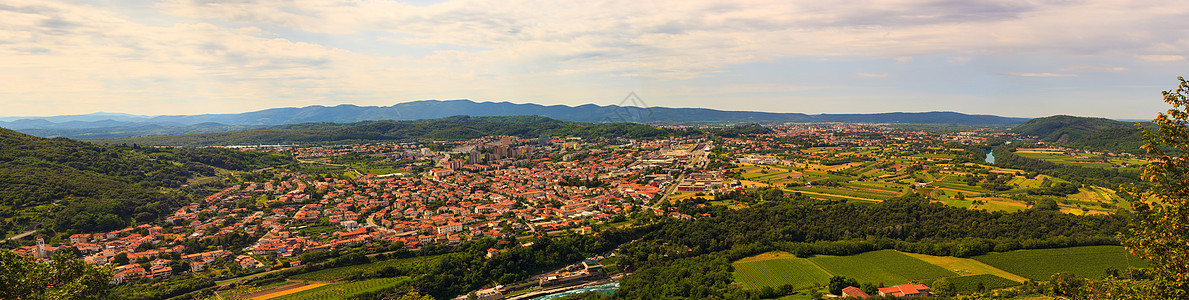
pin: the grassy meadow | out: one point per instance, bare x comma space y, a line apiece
1041, 264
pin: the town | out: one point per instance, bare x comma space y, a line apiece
384, 197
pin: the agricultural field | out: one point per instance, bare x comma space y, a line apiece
1041, 264
847, 191
966, 266
679, 196
888, 267
1083, 159
344, 290
765, 175
883, 175
334, 274
885, 266
968, 284
291, 288
779, 268
243, 292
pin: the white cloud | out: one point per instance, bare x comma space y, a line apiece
250, 54
1039, 74
958, 59
1090, 68
1162, 58
682, 39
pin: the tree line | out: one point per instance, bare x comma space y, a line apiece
691, 258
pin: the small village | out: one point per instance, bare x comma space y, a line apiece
507, 190
407, 196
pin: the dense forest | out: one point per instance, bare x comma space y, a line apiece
102, 187
452, 128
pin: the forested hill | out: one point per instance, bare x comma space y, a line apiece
452, 128
105, 125
101, 187
1083, 132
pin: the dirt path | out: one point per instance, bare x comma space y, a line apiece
284, 290
966, 266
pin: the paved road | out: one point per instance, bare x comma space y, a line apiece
23, 235
371, 222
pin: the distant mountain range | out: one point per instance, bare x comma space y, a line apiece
109, 125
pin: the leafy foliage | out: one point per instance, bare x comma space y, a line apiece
63, 277
162, 288
837, 283
971, 284
1161, 229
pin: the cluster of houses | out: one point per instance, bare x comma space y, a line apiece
158, 266
903, 290
448, 207
403, 150
842, 134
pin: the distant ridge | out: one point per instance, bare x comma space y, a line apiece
1085, 132
107, 125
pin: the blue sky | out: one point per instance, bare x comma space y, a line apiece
1011, 58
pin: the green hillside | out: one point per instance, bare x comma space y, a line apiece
452, 128
1084, 132
87, 187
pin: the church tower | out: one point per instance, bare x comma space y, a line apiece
40, 251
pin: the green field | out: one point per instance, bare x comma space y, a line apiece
244, 290
968, 284
344, 290
1091, 160
333, 274
885, 266
798, 272
1041, 264
966, 266
849, 192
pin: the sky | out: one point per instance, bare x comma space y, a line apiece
1010, 58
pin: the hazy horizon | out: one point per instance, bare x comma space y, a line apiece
114, 113
182, 57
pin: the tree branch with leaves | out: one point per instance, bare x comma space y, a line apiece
1160, 231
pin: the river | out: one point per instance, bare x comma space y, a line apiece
990, 157
606, 288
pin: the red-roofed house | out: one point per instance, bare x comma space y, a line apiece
854, 292
905, 290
